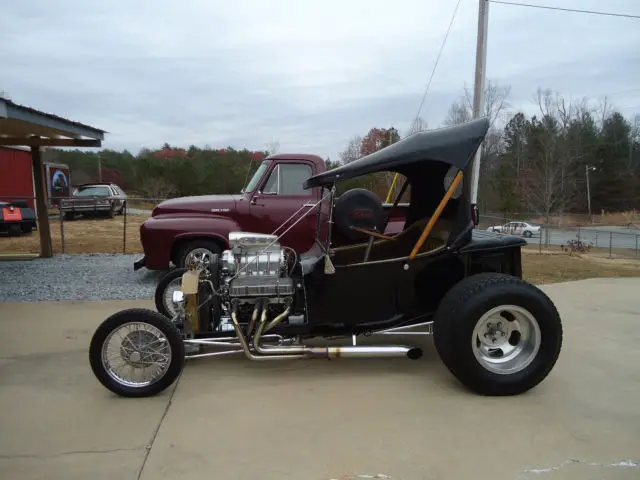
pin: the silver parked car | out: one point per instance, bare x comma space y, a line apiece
516, 228
95, 199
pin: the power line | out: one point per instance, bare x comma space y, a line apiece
435, 66
592, 12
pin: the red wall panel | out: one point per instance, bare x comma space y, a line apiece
16, 175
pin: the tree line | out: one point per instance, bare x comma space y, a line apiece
566, 157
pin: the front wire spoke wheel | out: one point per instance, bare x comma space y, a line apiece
137, 353
147, 365
506, 339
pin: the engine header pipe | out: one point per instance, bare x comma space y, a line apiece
245, 346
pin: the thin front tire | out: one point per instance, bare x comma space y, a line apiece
136, 353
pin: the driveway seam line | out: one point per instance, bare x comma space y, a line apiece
155, 434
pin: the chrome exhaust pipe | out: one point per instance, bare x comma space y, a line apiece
365, 351
272, 350
330, 352
245, 345
254, 317
276, 320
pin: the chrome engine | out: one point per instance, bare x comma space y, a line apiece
256, 266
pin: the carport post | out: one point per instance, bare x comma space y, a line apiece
46, 247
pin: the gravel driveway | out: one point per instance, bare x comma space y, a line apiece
76, 277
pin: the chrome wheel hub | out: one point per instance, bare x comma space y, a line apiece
199, 256
136, 354
167, 297
506, 339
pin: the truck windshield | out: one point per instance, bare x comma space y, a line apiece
253, 183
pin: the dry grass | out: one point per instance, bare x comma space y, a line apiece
141, 204
106, 236
553, 266
84, 235
594, 252
631, 217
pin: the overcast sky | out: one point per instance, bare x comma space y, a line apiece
308, 74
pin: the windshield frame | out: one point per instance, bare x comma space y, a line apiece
257, 175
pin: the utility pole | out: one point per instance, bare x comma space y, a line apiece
478, 94
586, 171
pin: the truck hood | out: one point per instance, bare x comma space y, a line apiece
198, 204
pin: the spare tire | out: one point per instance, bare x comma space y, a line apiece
360, 208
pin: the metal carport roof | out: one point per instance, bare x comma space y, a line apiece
25, 126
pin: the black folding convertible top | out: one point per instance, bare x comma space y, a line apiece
454, 145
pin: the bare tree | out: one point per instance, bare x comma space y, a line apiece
458, 113
603, 110
352, 152
418, 125
157, 187
273, 147
496, 104
549, 183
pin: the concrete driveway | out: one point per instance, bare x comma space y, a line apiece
405, 420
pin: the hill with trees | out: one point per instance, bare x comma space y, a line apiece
536, 163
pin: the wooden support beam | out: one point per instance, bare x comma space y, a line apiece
46, 246
49, 142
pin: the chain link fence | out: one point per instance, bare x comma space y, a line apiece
612, 241
87, 226
101, 226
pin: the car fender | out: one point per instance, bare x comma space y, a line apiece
215, 227
160, 234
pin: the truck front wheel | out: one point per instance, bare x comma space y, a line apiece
195, 248
498, 334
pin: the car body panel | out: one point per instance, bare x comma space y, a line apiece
101, 197
259, 208
516, 228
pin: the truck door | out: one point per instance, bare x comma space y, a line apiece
279, 196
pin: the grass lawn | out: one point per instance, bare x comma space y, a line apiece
106, 236
554, 266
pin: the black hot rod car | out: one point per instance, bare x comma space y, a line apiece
496, 333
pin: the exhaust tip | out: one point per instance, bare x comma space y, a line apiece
414, 353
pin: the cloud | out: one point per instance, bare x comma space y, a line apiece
309, 74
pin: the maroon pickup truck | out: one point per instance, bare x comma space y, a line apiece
181, 227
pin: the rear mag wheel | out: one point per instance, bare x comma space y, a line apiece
498, 334
136, 353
